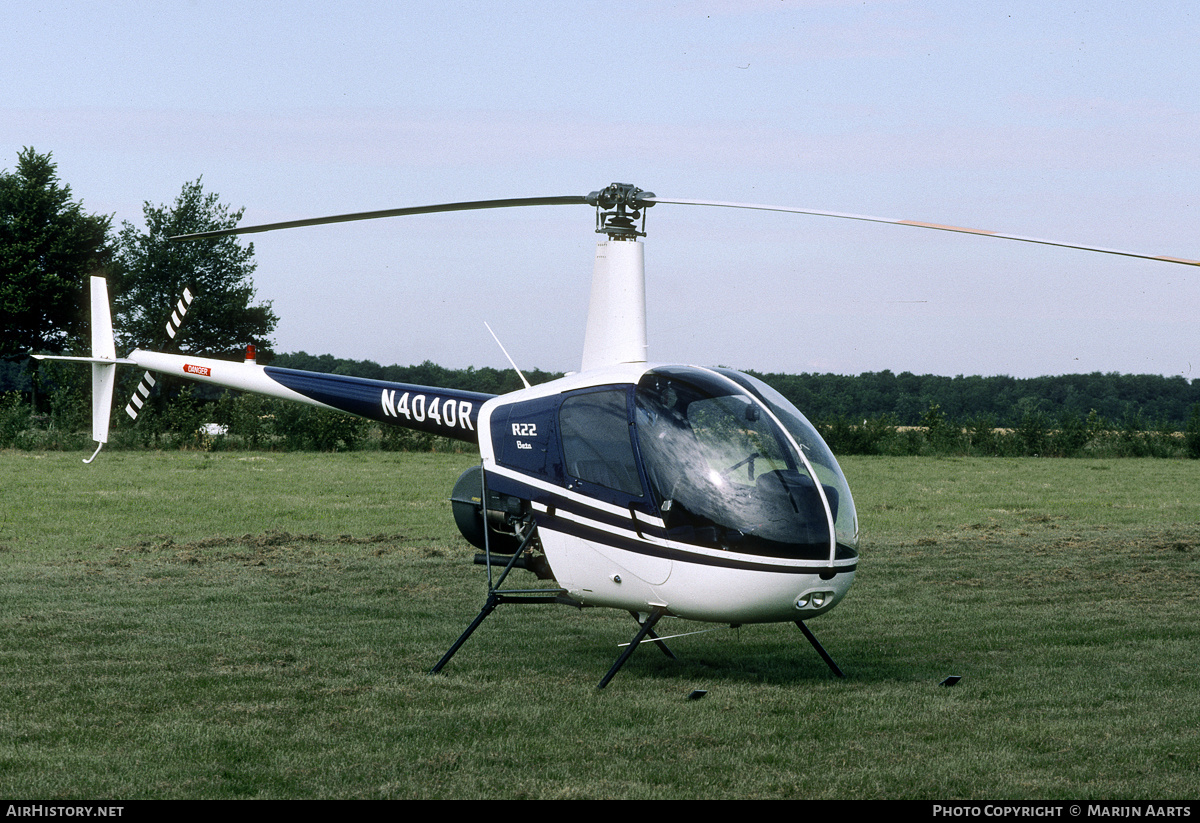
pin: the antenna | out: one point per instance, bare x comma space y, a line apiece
506, 354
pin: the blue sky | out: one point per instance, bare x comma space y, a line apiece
1067, 120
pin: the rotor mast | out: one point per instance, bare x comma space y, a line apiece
616, 324
619, 207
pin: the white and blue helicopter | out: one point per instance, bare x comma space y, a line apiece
664, 490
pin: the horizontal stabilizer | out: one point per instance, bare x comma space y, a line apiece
119, 361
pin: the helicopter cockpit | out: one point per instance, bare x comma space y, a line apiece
732, 464
724, 460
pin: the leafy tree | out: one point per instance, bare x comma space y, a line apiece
223, 318
48, 247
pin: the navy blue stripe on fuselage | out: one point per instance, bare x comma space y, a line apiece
555, 523
508, 485
559, 504
446, 412
596, 531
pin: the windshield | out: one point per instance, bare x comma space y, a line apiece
726, 475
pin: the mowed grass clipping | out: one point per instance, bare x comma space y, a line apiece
192, 625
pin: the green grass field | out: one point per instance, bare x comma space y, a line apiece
189, 625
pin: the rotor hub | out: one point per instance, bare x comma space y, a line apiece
619, 210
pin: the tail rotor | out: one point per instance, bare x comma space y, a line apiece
147, 383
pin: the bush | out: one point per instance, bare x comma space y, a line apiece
248, 417
1191, 435
982, 437
183, 418
14, 419
1074, 434
942, 434
1032, 434
306, 427
868, 437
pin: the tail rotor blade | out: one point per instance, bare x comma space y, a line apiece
180, 310
174, 322
139, 396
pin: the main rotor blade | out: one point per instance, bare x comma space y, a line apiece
511, 202
920, 225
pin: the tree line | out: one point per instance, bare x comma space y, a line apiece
50, 245
1006, 401
208, 418
1141, 401
906, 414
905, 397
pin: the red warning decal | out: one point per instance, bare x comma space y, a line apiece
203, 371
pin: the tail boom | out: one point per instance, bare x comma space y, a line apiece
446, 412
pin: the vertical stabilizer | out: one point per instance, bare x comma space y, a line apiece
616, 324
104, 362
104, 375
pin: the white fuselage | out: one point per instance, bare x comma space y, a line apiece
607, 554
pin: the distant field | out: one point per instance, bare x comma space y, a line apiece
236, 625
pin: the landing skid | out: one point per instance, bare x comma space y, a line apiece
646, 630
657, 640
812, 638
496, 596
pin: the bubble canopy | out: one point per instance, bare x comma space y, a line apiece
732, 464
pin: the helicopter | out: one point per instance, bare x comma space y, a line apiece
660, 489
